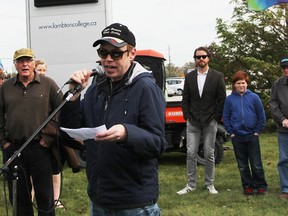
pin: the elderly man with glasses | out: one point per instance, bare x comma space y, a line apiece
26, 100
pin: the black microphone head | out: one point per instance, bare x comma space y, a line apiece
99, 71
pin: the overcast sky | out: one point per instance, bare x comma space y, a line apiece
163, 25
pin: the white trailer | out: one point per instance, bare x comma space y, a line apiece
62, 32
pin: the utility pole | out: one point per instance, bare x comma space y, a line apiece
169, 62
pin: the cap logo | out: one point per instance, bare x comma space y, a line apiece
112, 31
118, 35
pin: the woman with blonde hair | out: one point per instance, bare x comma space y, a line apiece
40, 67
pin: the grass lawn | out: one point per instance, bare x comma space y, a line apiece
172, 177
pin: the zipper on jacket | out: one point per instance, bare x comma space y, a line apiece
242, 108
106, 104
107, 100
106, 107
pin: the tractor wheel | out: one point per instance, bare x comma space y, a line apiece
81, 155
219, 153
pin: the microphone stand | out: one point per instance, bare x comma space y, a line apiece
17, 153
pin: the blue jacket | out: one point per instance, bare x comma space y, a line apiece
122, 175
243, 115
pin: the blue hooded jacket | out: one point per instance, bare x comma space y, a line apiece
243, 115
122, 175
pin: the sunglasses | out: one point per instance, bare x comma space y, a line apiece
284, 66
201, 56
115, 54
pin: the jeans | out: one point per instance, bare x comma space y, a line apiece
247, 149
283, 161
98, 210
194, 135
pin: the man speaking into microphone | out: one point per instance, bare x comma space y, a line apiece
122, 167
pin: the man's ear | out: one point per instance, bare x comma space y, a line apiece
133, 54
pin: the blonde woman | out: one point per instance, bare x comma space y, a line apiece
40, 67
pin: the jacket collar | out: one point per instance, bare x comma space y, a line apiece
130, 77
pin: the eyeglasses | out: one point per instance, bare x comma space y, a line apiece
284, 67
201, 56
22, 60
115, 54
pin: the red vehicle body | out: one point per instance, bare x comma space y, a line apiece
174, 115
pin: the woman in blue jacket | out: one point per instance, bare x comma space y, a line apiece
244, 118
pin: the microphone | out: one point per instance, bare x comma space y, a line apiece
98, 71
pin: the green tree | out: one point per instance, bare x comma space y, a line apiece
188, 67
254, 42
172, 71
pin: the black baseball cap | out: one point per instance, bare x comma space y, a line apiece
117, 35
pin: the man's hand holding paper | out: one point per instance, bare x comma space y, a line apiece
84, 133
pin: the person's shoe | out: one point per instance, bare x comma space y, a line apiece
261, 191
212, 189
283, 195
59, 204
249, 191
186, 190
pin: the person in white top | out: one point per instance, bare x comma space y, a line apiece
202, 104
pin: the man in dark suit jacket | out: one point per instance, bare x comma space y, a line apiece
202, 104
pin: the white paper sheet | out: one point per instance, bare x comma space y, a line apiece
84, 133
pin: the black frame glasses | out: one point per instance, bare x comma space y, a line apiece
114, 54
21, 60
201, 56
